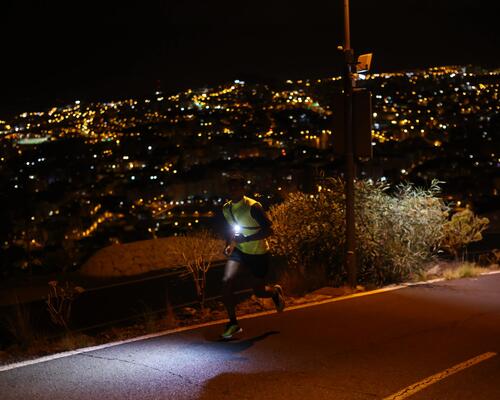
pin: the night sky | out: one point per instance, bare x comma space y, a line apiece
55, 52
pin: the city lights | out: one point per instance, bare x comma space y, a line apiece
126, 165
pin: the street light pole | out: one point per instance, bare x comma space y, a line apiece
349, 150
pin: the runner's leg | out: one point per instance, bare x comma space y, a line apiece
228, 281
261, 289
259, 266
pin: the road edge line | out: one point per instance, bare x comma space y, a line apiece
81, 350
20, 364
490, 272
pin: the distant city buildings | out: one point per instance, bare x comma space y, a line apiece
79, 177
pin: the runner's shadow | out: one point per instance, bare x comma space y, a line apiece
240, 345
227, 348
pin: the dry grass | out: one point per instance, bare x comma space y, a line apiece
452, 270
465, 270
41, 346
72, 341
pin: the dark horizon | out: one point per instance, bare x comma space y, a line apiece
61, 52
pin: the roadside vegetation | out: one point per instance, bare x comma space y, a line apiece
197, 253
466, 270
399, 232
404, 234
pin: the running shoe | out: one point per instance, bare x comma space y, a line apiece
231, 329
279, 298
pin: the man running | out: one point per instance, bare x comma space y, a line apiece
247, 227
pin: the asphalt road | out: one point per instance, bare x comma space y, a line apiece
362, 348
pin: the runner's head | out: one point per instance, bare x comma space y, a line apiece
236, 187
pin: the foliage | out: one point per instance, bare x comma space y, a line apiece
395, 232
463, 228
59, 301
308, 229
197, 253
465, 270
492, 258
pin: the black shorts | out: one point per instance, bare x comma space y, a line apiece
258, 264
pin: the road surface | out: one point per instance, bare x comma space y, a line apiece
433, 341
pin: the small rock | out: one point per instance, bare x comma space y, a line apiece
434, 270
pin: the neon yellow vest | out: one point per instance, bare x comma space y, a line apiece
238, 214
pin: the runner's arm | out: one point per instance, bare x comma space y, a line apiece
223, 228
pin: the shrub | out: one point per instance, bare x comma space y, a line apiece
395, 232
59, 301
463, 228
197, 252
308, 230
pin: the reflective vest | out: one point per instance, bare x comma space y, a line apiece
239, 215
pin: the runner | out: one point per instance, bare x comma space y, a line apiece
247, 227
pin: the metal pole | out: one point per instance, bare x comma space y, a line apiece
349, 147
347, 27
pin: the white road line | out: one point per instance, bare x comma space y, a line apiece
51, 357
416, 387
21, 364
491, 273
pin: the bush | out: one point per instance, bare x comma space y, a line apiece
60, 300
395, 232
308, 230
198, 252
463, 228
